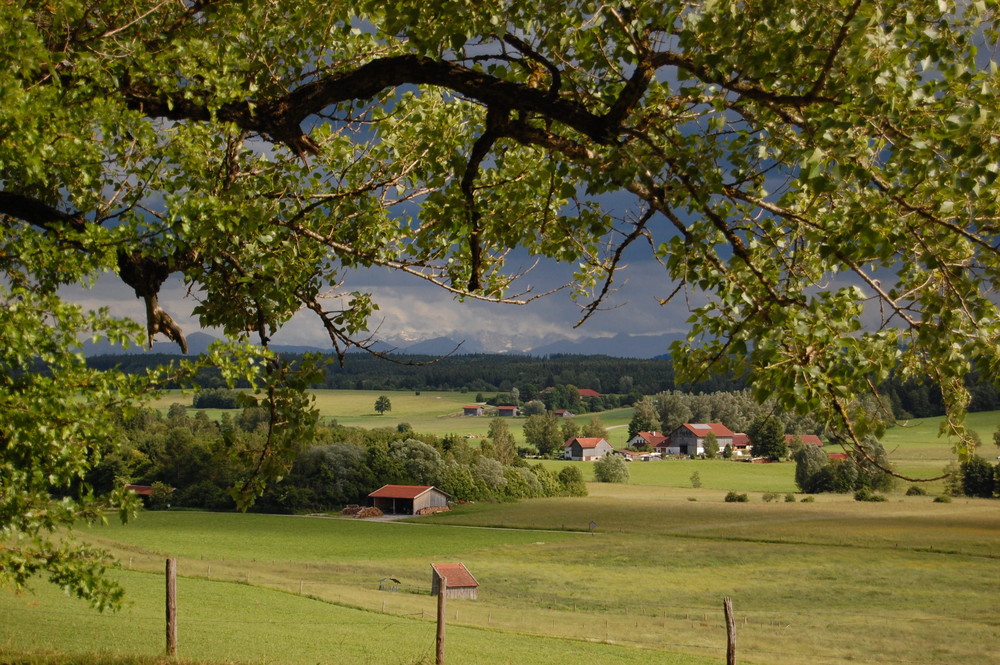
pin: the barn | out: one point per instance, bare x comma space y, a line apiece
461, 583
409, 499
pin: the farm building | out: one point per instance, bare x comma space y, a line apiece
586, 448
472, 410
689, 438
806, 439
563, 413
741, 445
507, 411
654, 439
461, 583
409, 499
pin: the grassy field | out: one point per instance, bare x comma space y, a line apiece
830, 582
431, 412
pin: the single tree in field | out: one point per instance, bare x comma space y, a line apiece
382, 404
767, 436
542, 431
644, 418
595, 429
711, 446
499, 444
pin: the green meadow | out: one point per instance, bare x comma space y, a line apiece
633, 573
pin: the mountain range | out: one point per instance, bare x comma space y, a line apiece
621, 345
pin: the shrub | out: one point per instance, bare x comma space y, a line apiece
916, 490
696, 480
789, 498
944, 498
865, 494
611, 469
807, 499
977, 477
770, 496
734, 497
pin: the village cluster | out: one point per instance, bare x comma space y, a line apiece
687, 440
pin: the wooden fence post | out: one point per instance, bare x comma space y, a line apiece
171, 607
442, 592
727, 603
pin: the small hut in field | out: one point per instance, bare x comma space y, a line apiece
461, 583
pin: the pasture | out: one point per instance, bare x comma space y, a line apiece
430, 412
831, 582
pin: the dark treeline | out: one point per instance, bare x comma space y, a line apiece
471, 373
629, 378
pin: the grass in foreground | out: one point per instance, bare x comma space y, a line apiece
910, 581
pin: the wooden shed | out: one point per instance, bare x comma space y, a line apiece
409, 499
461, 583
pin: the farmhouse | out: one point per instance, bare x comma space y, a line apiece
508, 411
409, 499
689, 438
586, 448
653, 439
563, 413
461, 583
472, 410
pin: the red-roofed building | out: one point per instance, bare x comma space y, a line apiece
587, 392
586, 448
472, 410
409, 499
742, 447
807, 439
507, 411
461, 583
653, 439
689, 438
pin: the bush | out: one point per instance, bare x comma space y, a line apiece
944, 498
770, 496
977, 477
611, 469
916, 490
865, 494
807, 499
734, 497
789, 498
571, 479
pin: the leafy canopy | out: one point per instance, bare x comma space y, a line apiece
818, 177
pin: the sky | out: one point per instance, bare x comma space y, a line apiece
412, 310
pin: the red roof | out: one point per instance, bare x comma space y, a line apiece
401, 491
652, 438
703, 429
741, 441
506, 408
584, 441
587, 392
808, 439
456, 574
